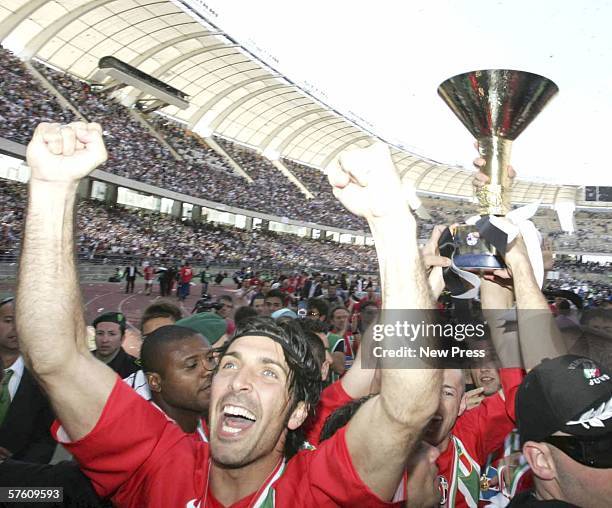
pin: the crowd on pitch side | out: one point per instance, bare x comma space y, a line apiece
274, 385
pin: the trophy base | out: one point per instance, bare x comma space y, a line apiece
473, 253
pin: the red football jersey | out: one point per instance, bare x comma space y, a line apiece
480, 431
139, 457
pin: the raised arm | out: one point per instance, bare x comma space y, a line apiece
539, 335
367, 183
50, 319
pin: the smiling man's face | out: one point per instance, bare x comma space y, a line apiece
250, 402
487, 378
452, 405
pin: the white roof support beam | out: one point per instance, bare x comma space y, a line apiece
270, 137
39, 40
330, 157
235, 105
145, 55
425, 172
331, 139
19, 16
297, 132
245, 125
212, 102
162, 69
279, 111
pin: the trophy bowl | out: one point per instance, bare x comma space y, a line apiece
495, 105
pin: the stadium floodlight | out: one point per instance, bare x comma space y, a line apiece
128, 75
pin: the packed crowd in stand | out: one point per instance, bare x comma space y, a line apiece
116, 232
204, 173
576, 265
24, 102
189, 145
144, 158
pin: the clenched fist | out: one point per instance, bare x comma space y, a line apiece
65, 153
366, 182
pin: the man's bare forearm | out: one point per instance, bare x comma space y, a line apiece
48, 295
398, 258
495, 300
539, 335
408, 397
405, 287
50, 319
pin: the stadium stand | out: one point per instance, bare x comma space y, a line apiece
24, 102
116, 233
206, 174
202, 173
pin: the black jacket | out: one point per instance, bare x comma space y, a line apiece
123, 364
78, 491
26, 427
306, 289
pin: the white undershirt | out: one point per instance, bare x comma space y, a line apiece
17, 368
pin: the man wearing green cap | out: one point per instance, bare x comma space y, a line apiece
208, 324
110, 334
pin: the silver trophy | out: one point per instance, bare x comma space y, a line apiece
495, 106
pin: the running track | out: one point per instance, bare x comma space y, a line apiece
99, 297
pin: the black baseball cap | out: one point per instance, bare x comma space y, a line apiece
570, 394
111, 317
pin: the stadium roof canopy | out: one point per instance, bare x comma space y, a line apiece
231, 92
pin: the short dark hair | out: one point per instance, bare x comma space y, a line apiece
244, 313
319, 305
161, 310
225, 298
151, 355
340, 417
564, 305
304, 382
257, 296
316, 344
314, 326
276, 293
336, 308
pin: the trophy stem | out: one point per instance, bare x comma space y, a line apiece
494, 197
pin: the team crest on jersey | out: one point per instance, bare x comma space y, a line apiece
443, 487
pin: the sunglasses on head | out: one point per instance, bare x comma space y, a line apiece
589, 451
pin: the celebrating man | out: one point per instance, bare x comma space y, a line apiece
266, 382
564, 413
